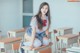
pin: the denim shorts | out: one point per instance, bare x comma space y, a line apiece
38, 35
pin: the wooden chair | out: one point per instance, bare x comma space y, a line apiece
42, 49
15, 47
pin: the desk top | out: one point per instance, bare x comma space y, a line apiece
64, 28
67, 36
74, 49
9, 40
18, 30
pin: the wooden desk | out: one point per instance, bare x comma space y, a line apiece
16, 33
6, 44
73, 50
68, 39
59, 32
42, 49
64, 30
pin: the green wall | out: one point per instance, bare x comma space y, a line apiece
26, 20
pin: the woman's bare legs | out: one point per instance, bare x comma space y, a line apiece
45, 41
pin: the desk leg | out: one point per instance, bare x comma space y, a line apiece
60, 45
56, 46
79, 41
26, 51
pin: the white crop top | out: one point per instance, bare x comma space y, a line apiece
33, 23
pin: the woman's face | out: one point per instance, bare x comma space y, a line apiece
44, 9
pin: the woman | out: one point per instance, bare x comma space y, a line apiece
37, 34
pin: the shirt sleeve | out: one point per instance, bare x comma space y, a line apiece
33, 22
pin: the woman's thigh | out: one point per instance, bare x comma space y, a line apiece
45, 41
37, 43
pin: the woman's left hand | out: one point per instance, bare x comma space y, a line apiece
46, 38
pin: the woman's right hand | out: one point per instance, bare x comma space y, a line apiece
31, 47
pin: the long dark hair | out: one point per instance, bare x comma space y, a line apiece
38, 16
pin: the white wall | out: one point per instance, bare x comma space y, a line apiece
63, 13
10, 15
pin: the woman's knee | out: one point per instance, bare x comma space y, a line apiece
37, 43
45, 41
